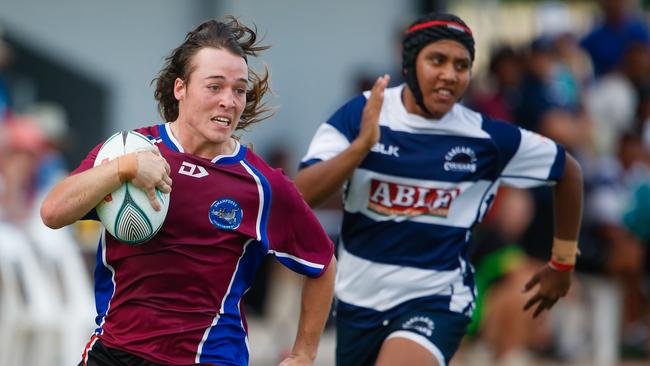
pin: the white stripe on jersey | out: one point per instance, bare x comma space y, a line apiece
110, 268
296, 259
168, 129
386, 285
234, 153
327, 143
531, 165
459, 303
460, 121
462, 213
260, 191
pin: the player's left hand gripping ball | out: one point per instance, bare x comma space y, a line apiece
127, 213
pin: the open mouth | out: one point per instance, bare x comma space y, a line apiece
444, 93
222, 121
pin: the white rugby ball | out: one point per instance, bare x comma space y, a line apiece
127, 213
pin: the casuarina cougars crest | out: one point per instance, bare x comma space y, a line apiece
460, 159
225, 214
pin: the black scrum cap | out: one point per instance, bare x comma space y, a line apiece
428, 29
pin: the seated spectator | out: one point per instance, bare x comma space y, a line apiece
502, 269
608, 40
500, 97
21, 147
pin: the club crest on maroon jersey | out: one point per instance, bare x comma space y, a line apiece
225, 214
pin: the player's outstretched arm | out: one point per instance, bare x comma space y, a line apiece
319, 181
554, 279
316, 301
77, 194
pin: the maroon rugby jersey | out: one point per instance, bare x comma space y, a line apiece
176, 298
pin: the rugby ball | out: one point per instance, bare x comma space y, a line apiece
127, 213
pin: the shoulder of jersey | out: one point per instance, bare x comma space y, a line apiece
151, 132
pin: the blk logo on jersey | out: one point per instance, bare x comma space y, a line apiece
388, 198
460, 159
225, 214
390, 150
192, 170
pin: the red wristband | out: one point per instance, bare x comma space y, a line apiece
560, 267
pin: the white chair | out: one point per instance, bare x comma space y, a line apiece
29, 321
589, 323
63, 262
11, 300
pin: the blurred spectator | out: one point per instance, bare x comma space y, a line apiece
621, 26
637, 216
5, 101
573, 68
556, 23
610, 248
499, 97
551, 104
610, 190
50, 264
502, 269
635, 64
21, 147
52, 119
642, 125
613, 100
545, 107
538, 97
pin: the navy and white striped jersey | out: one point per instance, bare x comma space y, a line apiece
412, 202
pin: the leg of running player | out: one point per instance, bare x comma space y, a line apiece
402, 351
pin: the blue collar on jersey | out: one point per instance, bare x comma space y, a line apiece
170, 141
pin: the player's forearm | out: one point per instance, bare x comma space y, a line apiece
316, 301
76, 195
568, 201
321, 180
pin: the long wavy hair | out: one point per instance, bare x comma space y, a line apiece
230, 35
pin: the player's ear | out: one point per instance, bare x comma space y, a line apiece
179, 89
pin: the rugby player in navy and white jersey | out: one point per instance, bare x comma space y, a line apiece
176, 299
419, 171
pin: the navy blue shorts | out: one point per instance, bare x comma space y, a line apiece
439, 332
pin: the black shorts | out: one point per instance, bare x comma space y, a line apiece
96, 354
439, 332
